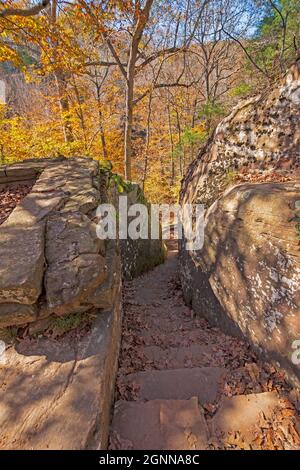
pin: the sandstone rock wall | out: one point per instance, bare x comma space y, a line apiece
138, 256
247, 276
56, 393
259, 140
49, 241
51, 260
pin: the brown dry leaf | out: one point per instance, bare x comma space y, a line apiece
253, 371
227, 389
211, 408
258, 441
287, 413
237, 440
269, 441
295, 434
263, 423
9, 198
297, 425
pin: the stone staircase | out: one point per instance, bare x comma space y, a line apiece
166, 398
160, 424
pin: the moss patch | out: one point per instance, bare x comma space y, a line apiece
9, 334
231, 176
296, 219
62, 325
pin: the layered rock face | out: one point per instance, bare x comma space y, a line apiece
259, 140
246, 278
54, 268
51, 260
138, 256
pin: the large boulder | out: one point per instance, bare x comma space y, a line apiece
246, 277
76, 262
49, 253
258, 141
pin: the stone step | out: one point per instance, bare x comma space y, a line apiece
179, 358
164, 325
177, 384
183, 338
159, 425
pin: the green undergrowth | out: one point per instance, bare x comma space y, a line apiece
70, 322
9, 334
57, 326
231, 176
114, 178
296, 220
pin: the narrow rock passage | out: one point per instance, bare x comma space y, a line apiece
184, 385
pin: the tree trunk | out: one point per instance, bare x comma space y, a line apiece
181, 154
100, 116
129, 116
80, 113
142, 19
2, 155
148, 141
172, 148
102, 135
61, 85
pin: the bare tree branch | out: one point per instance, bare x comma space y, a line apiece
246, 52
33, 11
101, 63
158, 54
114, 54
284, 28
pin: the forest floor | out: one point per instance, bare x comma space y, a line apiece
185, 385
10, 198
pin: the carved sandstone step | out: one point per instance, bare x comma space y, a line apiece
159, 425
167, 317
177, 384
179, 358
181, 338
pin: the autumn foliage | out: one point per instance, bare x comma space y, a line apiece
139, 83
